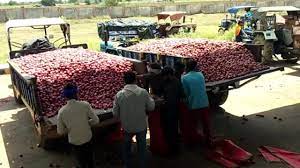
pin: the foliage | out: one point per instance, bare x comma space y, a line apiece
72, 1
87, 2
48, 2
12, 3
111, 2
207, 34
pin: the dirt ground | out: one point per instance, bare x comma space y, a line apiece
275, 95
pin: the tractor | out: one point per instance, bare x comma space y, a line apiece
278, 30
229, 22
170, 23
40, 43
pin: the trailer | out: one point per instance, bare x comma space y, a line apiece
217, 91
25, 92
25, 86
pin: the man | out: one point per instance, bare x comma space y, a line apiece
153, 79
197, 100
179, 69
75, 119
248, 15
239, 33
130, 106
172, 93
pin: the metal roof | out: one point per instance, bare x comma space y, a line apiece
33, 22
278, 9
235, 9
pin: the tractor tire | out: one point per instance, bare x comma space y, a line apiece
221, 31
217, 99
173, 31
267, 49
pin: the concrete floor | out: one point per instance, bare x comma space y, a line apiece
273, 95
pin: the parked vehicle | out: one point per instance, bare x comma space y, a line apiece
277, 29
231, 20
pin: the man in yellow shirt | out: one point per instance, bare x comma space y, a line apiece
239, 31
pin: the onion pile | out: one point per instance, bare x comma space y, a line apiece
99, 76
218, 60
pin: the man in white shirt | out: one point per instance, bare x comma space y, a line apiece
75, 119
130, 106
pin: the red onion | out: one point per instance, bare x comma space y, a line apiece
97, 75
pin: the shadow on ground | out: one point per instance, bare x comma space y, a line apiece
21, 141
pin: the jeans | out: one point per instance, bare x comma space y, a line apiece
84, 154
141, 145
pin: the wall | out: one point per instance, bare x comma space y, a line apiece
121, 11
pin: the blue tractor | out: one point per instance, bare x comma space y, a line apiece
231, 20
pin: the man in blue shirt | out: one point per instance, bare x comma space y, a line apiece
193, 83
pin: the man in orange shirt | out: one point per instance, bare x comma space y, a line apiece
239, 31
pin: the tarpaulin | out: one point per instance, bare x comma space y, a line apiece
158, 145
292, 158
229, 155
268, 156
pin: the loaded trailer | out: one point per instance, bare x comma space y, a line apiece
25, 92
217, 90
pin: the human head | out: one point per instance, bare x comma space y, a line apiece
70, 91
191, 65
179, 67
167, 72
129, 77
154, 67
247, 9
241, 23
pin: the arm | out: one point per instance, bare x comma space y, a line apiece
93, 117
150, 104
61, 127
116, 107
185, 87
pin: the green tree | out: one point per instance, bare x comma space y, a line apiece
48, 2
87, 2
12, 3
72, 1
111, 2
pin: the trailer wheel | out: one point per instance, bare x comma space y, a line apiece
217, 99
17, 97
293, 60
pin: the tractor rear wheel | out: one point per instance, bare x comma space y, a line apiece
267, 49
221, 31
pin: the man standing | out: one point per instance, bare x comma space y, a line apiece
239, 32
75, 119
130, 106
172, 93
195, 91
153, 79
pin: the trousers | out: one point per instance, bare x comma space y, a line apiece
85, 155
